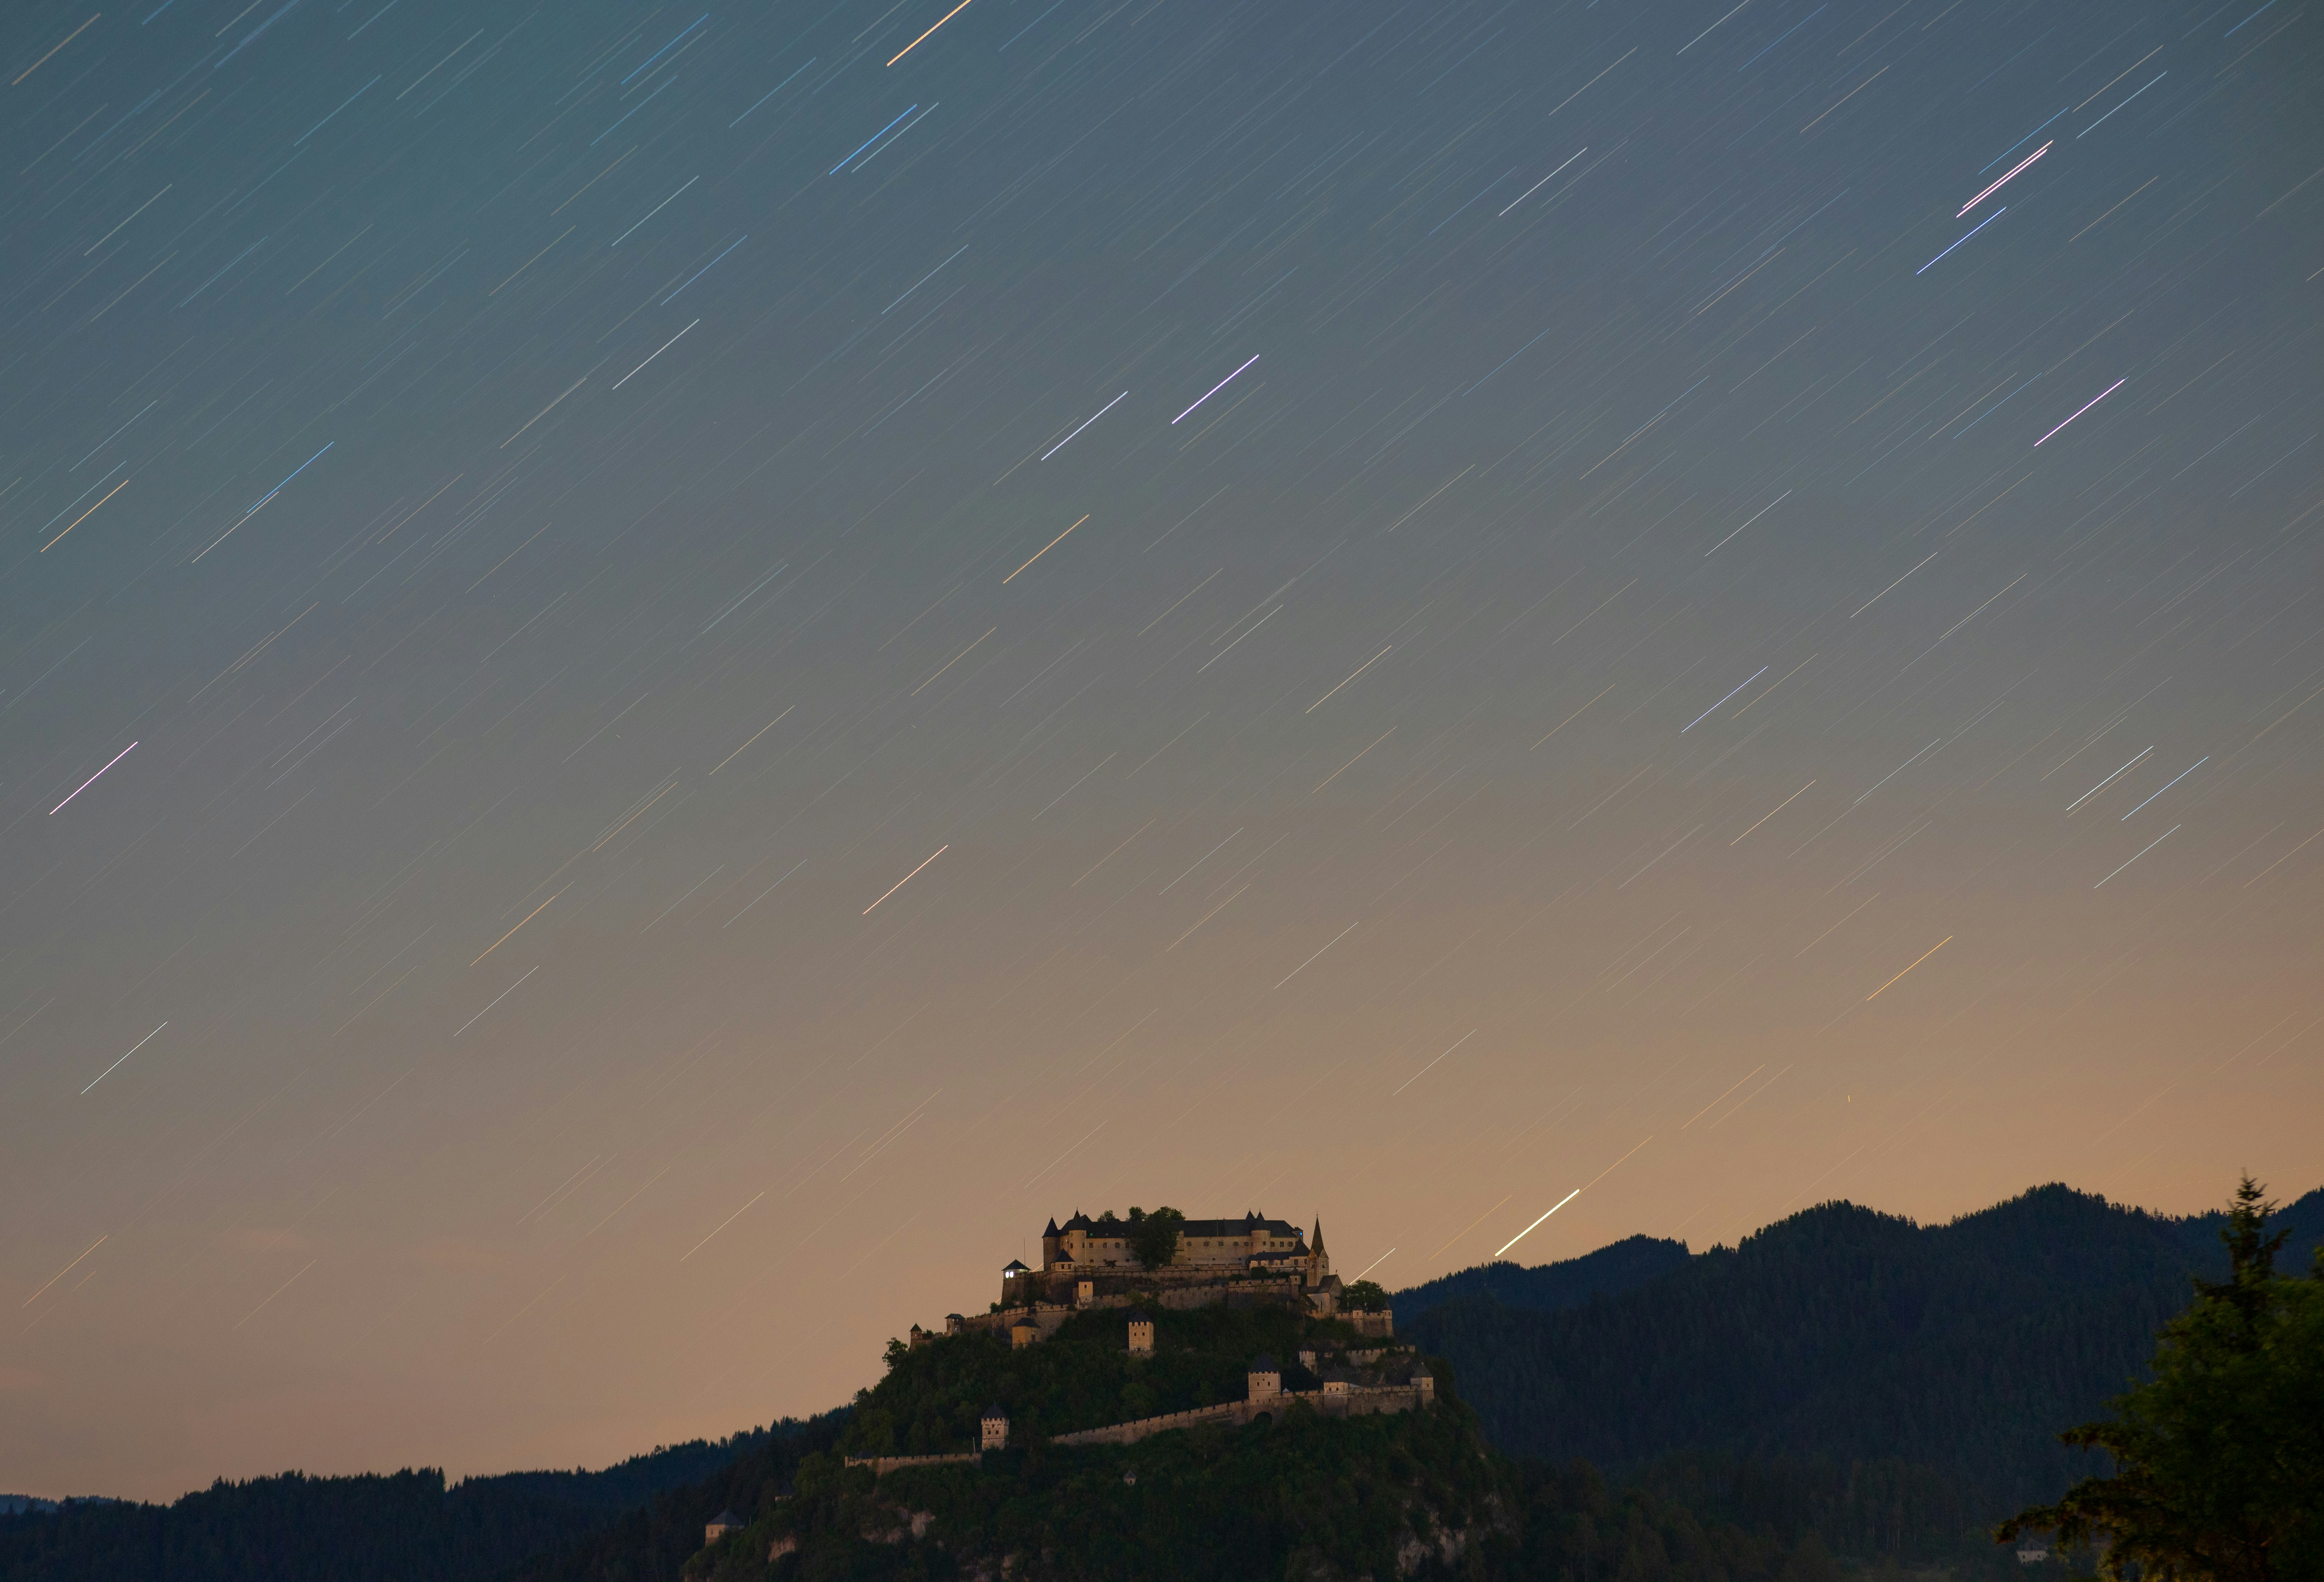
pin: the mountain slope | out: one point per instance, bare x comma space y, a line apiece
649, 1544
1841, 1337
1293, 1494
397, 1527
1549, 1288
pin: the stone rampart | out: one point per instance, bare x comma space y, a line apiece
1137, 1428
881, 1465
1050, 1315
1061, 1285
1208, 1293
1361, 1400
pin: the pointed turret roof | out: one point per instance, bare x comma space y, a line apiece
1051, 1228
1317, 1241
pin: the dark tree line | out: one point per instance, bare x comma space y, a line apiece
399, 1527
1901, 1384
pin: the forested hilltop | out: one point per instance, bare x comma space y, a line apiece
1548, 1287
1898, 1386
1293, 1494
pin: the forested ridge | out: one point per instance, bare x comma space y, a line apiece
1303, 1498
1894, 1384
1290, 1495
393, 1527
1620, 1266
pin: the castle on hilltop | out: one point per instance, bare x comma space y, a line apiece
1207, 1249
1251, 1262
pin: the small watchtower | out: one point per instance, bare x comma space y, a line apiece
720, 1525
1141, 1333
1266, 1378
994, 1425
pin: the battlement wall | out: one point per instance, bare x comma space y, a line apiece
1050, 1314
1360, 1401
883, 1464
1063, 1284
1129, 1433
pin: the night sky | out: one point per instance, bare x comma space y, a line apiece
664, 674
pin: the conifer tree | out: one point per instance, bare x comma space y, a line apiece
2219, 1458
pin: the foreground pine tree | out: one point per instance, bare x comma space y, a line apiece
2219, 1460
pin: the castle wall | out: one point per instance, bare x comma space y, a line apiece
1059, 1281
1180, 1293
880, 1465
1048, 1316
1129, 1433
1365, 1401
1213, 1290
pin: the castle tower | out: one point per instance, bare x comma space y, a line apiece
1141, 1333
1265, 1379
995, 1427
1051, 1240
1319, 1261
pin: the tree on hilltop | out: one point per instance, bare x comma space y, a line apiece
2219, 1460
1153, 1236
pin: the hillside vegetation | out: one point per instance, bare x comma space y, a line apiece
1300, 1496
399, 1527
1549, 1288
1898, 1386
1084, 1377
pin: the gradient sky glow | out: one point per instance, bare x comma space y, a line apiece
626, 751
